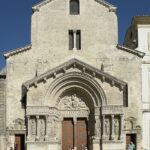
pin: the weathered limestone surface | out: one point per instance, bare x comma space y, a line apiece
49, 49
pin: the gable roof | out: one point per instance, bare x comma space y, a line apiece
17, 51
132, 51
103, 2
75, 63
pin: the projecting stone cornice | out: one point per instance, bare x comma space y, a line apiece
102, 2
17, 51
132, 51
83, 67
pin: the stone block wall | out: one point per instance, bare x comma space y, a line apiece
2, 105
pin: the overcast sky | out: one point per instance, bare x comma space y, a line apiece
15, 16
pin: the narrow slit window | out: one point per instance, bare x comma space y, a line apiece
71, 40
74, 7
78, 39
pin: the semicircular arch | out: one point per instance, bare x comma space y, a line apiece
76, 80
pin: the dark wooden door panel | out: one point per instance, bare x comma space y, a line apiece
128, 140
81, 135
67, 134
19, 142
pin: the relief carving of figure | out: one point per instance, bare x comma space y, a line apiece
116, 126
72, 102
52, 126
33, 127
107, 127
98, 128
42, 127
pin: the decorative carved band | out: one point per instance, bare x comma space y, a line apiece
41, 110
112, 109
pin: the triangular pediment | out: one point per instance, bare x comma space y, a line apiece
102, 2
80, 66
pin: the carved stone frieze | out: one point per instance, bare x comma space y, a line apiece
112, 109
71, 103
18, 124
131, 124
37, 110
77, 113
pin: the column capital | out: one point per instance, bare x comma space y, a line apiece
75, 120
112, 115
37, 117
121, 115
46, 116
28, 116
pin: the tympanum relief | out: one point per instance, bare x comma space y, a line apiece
71, 102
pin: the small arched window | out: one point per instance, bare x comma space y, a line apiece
74, 7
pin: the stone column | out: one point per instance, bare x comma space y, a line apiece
29, 130
46, 127
75, 123
74, 39
112, 127
121, 127
103, 121
37, 128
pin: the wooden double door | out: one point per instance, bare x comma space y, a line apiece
74, 134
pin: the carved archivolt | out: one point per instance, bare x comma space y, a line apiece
71, 103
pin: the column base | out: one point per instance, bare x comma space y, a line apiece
46, 138
103, 137
28, 138
112, 137
121, 137
37, 138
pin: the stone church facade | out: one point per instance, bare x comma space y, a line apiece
74, 87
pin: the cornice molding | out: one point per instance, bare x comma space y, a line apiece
140, 19
17, 51
85, 68
108, 5
132, 51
